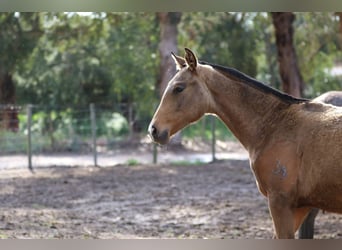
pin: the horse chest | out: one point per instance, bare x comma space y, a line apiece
276, 169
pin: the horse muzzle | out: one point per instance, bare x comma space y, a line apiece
161, 137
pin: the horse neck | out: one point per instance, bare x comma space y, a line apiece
248, 112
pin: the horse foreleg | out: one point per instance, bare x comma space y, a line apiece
306, 230
286, 219
283, 220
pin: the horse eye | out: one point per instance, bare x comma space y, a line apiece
179, 88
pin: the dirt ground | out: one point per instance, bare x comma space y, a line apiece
217, 200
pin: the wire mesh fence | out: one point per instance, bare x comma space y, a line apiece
35, 136
31, 133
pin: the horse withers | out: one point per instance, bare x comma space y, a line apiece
294, 145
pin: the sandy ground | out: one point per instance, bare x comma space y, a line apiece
217, 200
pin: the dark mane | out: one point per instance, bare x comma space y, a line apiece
230, 72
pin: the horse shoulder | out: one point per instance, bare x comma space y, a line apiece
276, 167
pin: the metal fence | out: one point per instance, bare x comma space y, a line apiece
30, 132
34, 136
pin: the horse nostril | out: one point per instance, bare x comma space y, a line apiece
153, 131
159, 136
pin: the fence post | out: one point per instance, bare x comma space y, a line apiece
155, 153
213, 138
29, 141
130, 119
93, 131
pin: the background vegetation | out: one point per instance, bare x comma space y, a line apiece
64, 61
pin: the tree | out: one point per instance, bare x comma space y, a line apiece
19, 33
339, 14
168, 22
66, 66
287, 58
112, 59
217, 38
133, 40
317, 48
105, 58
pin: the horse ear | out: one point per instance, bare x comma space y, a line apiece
180, 61
190, 59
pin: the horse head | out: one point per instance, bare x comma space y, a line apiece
185, 99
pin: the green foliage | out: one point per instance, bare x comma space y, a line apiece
267, 57
64, 64
65, 60
11, 142
133, 45
203, 129
132, 162
316, 39
102, 58
115, 125
217, 38
67, 129
19, 33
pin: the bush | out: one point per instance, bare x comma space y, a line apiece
202, 129
11, 142
116, 125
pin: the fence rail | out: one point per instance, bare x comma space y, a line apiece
82, 131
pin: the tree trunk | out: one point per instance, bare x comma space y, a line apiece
168, 43
168, 22
339, 14
287, 58
8, 113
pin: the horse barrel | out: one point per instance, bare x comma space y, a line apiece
306, 231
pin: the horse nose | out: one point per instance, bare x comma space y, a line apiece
153, 131
157, 135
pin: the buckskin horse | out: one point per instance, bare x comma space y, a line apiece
330, 97
306, 230
294, 145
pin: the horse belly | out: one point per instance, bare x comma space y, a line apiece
320, 181
320, 176
328, 198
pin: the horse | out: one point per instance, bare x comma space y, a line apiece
306, 230
330, 97
294, 144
